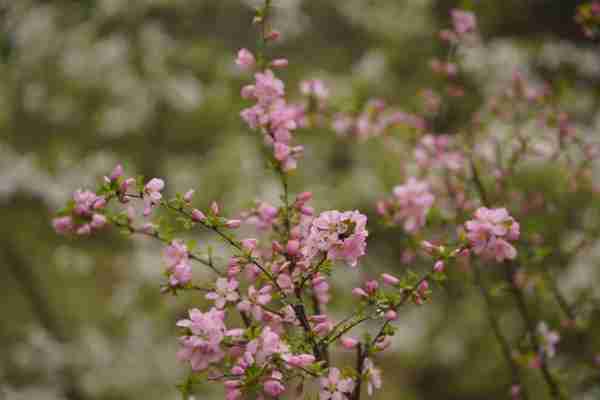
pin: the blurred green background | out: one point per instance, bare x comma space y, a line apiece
151, 83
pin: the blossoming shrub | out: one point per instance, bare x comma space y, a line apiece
267, 332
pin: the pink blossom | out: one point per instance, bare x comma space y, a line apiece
187, 197
233, 223
63, 225
391, 315
202, 346
225, 291
490, 232
464, 21
273, 386
245, 59
349, 343
254, 301
390, 279
410, 205
152, 196
341, 235
280, 63
335, 387
439, 266
176, 257
198, 216
84, 202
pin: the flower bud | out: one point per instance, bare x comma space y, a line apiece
439, 266
391, 315
349, 342
198, 216
390, 279
233, 223
292, 248
187, 197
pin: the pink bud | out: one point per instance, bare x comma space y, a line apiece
371, 286
233, 223
127, 183
359, 292
198, 216
439, 266
349, 342
187, 197
423, 287
304, 197
308, 211
100, 203
245, 59
391, 315
98, 221
292, 247
390, 279
215, 208
84, 230
273, 35
383, 343
280, 63
116, 173
63, 225
249, 244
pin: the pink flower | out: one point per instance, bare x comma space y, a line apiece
225, 291
335, 387
439, 266
490, 232
63, 225
349, 343
84, 202
464, 21
152, 196
176, 257
410, 205
202, 347
373, 376
273, 386
254, 301
245, 59
341, 235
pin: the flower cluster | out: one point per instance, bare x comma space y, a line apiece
339, 235
409, 206
434, 151
176, 257
272, 114
85, 214
490, 231
376, 119
259, 333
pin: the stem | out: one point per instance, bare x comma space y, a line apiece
360, 360
500, 338
531, 329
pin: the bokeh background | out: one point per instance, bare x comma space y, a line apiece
151, 83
